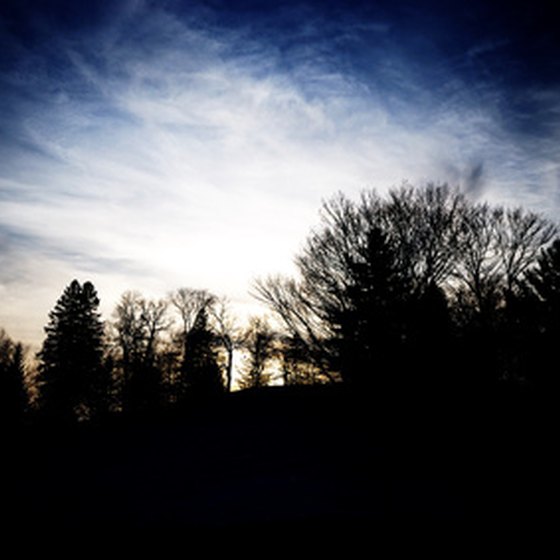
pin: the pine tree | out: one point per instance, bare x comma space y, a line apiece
544, 280
71, 359
370, 326
201, 372
12, 380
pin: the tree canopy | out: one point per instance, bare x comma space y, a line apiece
380, 279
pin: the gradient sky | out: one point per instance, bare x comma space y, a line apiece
152, 145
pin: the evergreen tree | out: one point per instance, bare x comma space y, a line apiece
544, 281
428, 344
370, 324
201, 372
71, 359
13, 398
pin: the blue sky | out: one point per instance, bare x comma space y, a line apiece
153, 145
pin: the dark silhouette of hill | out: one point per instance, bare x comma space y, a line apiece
288, 457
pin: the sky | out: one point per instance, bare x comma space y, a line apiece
155, 145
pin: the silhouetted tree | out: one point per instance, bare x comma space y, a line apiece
371, 326
428, 345
521, 237
129, 337
493, 305
423, 225
71, 358
201, 370
258, 340
188, 303
357, 275
293, 302
478, 266
544, 278
146, 387
226, 334
13, 397
311, 306
544, 281
138, 325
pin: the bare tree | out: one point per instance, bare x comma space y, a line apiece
521, 236
292, 302
129, 332
425, 225
227, 334
154, 318
311, 306
188, 303
478, 266
498, 247
138, 328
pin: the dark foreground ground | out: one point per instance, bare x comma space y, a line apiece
295, 457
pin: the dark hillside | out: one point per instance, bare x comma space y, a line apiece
298, 456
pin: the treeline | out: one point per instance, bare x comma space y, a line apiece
422, 289
425, 290
152, 357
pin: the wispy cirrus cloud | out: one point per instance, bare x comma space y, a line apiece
159, 148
